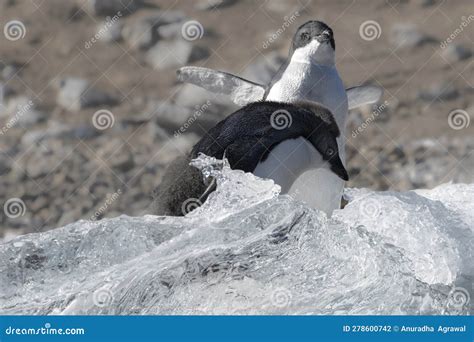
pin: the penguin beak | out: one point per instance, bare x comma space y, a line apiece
338, 168
324, 37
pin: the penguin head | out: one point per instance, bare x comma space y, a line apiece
324, 137
327, 146
314, 42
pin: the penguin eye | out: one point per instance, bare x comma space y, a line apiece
330, 152
305, 36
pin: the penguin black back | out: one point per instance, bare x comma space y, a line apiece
246, 137
249, 134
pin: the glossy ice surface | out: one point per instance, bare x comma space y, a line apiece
248, 250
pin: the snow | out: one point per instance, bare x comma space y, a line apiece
248, 250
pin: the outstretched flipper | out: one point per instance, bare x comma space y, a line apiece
241, 91
362, 95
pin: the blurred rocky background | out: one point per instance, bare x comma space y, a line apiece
91, 112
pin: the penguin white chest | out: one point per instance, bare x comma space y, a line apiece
287, 161
314, 183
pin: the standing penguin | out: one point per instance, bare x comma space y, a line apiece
242, 91
247, 138
309, 73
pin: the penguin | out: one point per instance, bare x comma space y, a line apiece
309, 73
247, 138
242, 91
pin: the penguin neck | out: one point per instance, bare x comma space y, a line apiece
310, 81
314, 53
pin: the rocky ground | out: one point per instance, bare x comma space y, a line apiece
91, 113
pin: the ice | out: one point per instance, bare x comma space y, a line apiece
248, 250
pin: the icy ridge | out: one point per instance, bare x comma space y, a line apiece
248, 250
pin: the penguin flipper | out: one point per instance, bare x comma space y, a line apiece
241, 91
362, 95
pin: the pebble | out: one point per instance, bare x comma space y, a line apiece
75, 94
205, 5
286, 7
111, 7
168, 114
172, 54
110, 31
407, 36
455, 52
22, 110
5, 165
140, 35
9, 71
440, 91
116, 154
170, 31
199, 98
160, 18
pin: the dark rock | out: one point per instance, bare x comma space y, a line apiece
455, 52
5, 165
204, 5
425, 3
160, 18
439, 91
75, 94
111, 7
